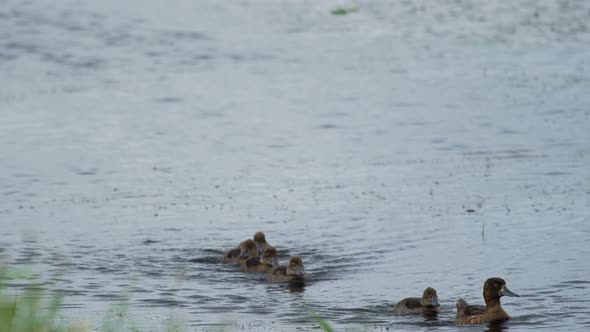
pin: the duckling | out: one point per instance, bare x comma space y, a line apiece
493, 290
293, 271
261, 244
413, 305
264, 263
246, 250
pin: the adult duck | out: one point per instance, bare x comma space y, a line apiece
493, 290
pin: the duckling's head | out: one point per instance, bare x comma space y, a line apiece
429, 298
270, 256
260, 241
295, 267
248, 249
495, 288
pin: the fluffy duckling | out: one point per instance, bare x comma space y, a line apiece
294, 270
493, 290
264, 263
246, 250
261, 244
413, 305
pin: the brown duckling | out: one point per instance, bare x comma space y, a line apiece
264, 263
261, 244
493, 290
246, 250
413, 305
294, 270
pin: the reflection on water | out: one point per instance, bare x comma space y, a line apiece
296, 286
402, 146
497, 327
430, 316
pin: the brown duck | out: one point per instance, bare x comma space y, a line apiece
261, 244
294, 270
493, 290
264, 263
243, 252
413, 305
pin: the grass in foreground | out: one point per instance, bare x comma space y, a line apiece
32, 308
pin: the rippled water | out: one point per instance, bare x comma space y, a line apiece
409, 144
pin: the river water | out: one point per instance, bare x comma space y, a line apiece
405, 145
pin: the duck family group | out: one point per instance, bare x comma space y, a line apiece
257, 255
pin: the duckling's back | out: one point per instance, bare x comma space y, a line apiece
277, 273
255, 264
408, 305
231, 256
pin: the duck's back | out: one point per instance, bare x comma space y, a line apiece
470, 314
232, 255
250, 264
255, 265
277, 273
473, 310
408, 305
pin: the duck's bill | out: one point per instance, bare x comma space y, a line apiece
244, 254
434, 303
508, 292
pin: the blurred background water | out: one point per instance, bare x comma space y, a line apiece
405, 145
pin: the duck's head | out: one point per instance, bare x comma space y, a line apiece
260, 241
270, 256
429, 298
295, 267
494, 289
248, 249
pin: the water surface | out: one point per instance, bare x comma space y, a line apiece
406, 145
